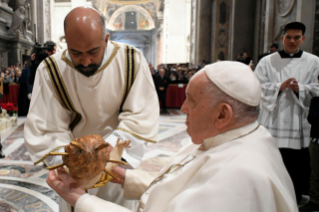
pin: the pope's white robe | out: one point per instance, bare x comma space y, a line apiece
96, 101
284, 113
239, 170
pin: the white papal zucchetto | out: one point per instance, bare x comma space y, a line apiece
237, 80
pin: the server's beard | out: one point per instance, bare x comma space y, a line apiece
89, 70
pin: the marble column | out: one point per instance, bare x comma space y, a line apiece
203, 30
315, 45
34, 19
221, 36
306, 14
40, 21
243, 27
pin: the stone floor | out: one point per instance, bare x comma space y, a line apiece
22, 184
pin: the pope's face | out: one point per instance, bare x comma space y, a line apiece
197, 107
86, 51
292, 40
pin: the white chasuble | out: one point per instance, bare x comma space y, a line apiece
239, 170
118, 101
284, 113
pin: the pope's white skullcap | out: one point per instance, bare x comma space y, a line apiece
236, 80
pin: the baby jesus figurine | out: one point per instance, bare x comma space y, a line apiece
89, 162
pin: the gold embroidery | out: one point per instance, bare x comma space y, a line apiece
58, 83
135, 64
125, 75
72, 107
55, 77
130, 69
135, 135
65, 59
129, 54
55, 87
115, 50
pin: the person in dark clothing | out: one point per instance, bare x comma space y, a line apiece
313, 119
273, 49
25, 90
1, 153
243, 58
1, 83
16, 77
161, 84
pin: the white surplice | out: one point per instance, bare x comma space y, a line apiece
239, 170
284, 113
98, 100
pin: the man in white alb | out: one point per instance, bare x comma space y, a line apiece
232, 165
96, 86
289, 82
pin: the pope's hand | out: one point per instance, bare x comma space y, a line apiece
65, 186
121, 172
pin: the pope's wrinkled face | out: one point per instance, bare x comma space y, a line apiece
292, 40
198, 109
86, 50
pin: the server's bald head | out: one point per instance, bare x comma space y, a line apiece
86, 39
85, 18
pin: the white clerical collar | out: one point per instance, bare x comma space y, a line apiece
107, 53
291, 55
228, 136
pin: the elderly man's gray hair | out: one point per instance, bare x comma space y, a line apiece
242, 112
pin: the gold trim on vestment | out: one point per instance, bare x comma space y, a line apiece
115, 50
62, 92
125, 74
65, 59
130, 71
78, 115
55, 87
55, 77
135, 64
135, 135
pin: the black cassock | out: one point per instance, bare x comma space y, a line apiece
24, 89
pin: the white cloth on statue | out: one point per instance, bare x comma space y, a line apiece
98, 100
283, 113
239, 170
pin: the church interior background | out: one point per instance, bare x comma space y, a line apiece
167, 32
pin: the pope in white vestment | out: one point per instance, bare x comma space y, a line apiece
118, 101
240, 170
237, 168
